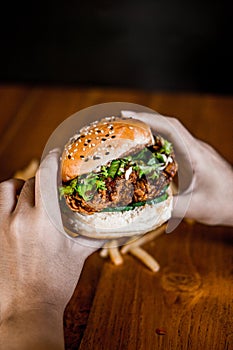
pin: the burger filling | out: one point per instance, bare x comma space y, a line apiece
124, 183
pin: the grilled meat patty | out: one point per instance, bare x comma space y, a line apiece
121, 191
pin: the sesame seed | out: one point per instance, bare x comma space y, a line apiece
75, 150
82, 157
93, 144
113, 136
97, 138
103, 139
84, 149
107, 135
72, 158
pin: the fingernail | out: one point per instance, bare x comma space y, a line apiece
127, 114
55, 150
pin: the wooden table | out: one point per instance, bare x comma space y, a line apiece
121, 307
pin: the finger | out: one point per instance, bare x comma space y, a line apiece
26, 198
9, 191
183, 142
46, 188
182, 207
170, 128
47, 178
167, 126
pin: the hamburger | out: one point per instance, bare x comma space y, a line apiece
116, 178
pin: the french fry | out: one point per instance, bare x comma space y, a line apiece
114, 253
28, 171
144, 239
104, 252
131, 240
146, 258
189, 221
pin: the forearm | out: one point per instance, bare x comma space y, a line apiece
32, 329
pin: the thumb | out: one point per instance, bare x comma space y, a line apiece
181, 209
47, 187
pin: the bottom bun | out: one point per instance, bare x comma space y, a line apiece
124, 224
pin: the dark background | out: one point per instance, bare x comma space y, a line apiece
156, 45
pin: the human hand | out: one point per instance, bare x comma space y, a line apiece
205, 178
39, 264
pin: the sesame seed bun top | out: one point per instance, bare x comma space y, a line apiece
102, 141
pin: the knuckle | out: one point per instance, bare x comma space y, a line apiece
5, 185
174, 121
10, 184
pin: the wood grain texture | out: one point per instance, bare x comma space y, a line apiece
121, 307
11, 100
191, 296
